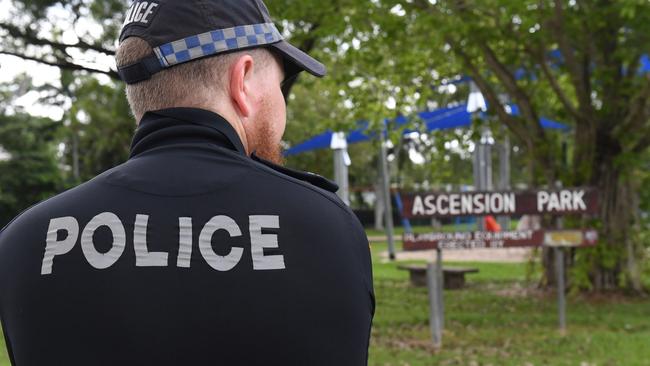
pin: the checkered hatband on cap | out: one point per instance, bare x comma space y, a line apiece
215, 42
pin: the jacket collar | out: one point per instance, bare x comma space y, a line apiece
189, 125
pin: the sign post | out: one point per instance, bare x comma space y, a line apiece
441, 287
435, 299
504, 175
561, 301
388, 207
483, 166
560, 240
341, 162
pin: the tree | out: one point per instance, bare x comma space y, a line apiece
72, 34
99, 127
85, 40
576, 61
29, 170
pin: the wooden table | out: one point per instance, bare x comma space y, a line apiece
453, 277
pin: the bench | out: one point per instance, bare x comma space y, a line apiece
453, 277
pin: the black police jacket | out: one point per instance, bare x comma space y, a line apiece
190, 253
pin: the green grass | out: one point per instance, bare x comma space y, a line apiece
500, 318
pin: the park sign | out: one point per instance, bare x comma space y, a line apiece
542, 202
556, 202
502, 239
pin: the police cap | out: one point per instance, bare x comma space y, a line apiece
184, 31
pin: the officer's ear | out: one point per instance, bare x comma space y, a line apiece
241, 74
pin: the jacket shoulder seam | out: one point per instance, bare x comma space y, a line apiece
311, 187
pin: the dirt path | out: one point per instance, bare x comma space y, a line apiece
505, 255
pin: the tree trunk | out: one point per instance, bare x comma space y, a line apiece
612, 264
634, 249
548, 263
550, 271
614, 257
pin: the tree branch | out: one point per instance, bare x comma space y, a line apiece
542, 60
506, 78
63, 64
492, 96
509, 82
577, 70
31, 38
637, 115
530, 136
643, 144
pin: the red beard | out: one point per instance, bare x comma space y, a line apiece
265, 147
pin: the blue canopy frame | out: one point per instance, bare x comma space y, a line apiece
439, 119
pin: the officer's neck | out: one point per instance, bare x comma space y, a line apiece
229, 114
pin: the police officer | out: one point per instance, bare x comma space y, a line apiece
199, 250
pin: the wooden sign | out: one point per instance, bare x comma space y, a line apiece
503, 239
558, 202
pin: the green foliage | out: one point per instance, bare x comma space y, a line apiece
100, 121
30, 172
364, 72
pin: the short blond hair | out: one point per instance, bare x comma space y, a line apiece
186, 85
